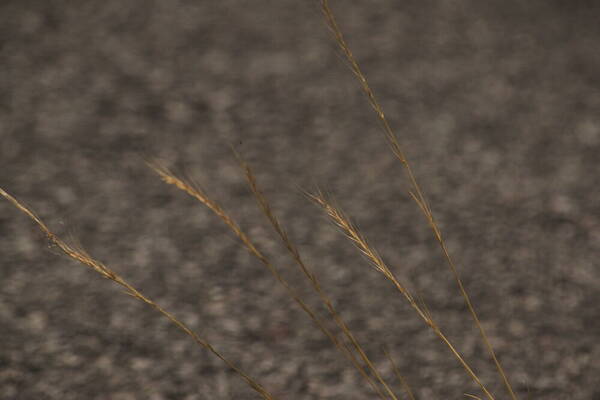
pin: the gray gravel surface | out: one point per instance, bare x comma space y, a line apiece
495, 102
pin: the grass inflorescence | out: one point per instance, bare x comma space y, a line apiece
345, 341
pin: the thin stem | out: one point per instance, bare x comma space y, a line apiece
169, 178
312, 278
416, 190
84, 258
403, 382
350, 230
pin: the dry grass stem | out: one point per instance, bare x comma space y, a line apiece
415, 190
84, 258
349, 229
346, 343
312, 278
401, 379
194, 191
472, 396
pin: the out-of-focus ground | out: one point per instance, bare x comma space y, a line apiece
495, 102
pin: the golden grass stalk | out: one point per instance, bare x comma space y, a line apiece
312, 278
350, 230
84, 258
197, 193
415, 190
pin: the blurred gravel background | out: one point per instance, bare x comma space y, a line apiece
495, 102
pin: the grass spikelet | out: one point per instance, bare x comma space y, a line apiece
415, 189
312, 278
349, 229
170, 178
80, 255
